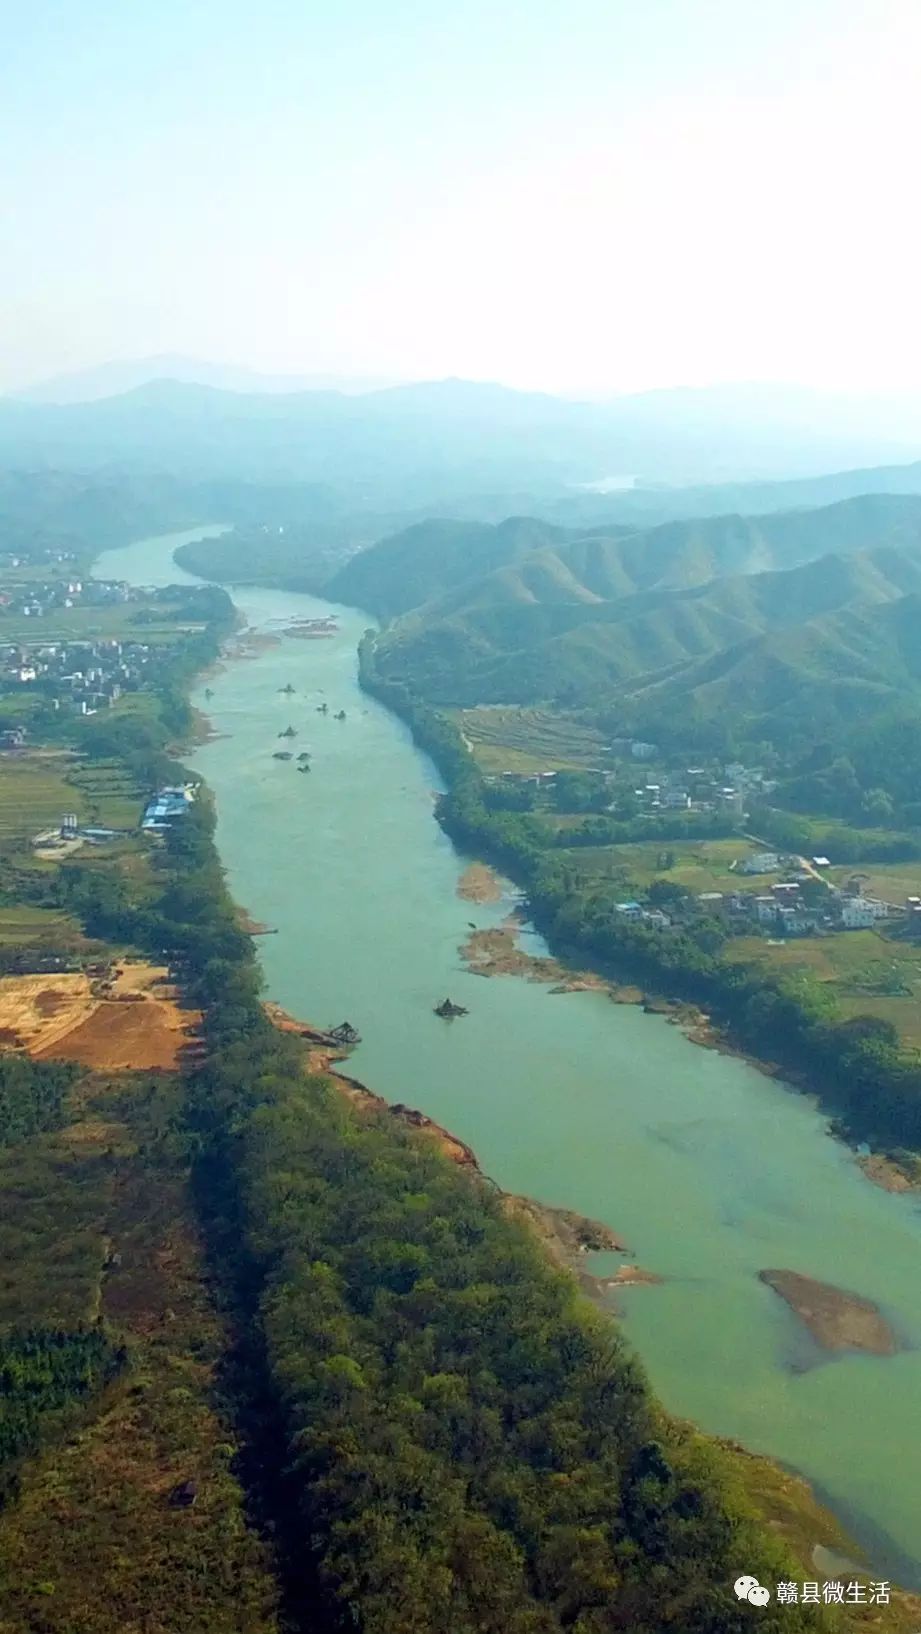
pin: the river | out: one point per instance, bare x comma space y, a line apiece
709, 1169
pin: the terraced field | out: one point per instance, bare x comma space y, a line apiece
38, 787
25, 926
112, 797
506, 739
35, 792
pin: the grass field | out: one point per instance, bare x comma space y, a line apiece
699, 865
869, 974
120, 622
529, 740
892, 882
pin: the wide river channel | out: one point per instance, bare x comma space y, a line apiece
710, 1170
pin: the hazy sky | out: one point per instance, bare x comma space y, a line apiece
571, 194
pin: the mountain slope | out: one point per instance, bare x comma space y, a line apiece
542, 630
415, 565
827, 677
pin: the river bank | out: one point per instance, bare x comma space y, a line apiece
565, 1236
711, 1170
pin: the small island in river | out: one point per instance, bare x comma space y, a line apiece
836, 1318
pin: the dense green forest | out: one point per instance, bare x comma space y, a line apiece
44, 1373
470, 1447
444, 1434
32, 1095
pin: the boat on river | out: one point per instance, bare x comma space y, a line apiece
447, 1009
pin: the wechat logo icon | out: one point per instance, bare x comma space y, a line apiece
748, 1588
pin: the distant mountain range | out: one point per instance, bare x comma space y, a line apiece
451, 443
795, 616
125, 375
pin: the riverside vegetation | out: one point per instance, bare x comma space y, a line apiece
431, 1426
857, 1063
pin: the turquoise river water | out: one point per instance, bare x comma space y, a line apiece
709, 1169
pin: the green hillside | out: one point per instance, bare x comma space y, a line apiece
544, 630
411, 567
435, 559
824, 677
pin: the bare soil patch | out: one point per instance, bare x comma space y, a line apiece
838, 1319
892, 1175
496, 953
479, 883
133, 1021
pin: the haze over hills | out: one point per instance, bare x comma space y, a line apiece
126, 374
421, 444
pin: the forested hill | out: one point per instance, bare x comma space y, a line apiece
410, 568
780, 655
418, 563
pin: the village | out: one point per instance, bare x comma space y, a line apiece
75, 676
803, 903
74, 648
800, 896
30, 598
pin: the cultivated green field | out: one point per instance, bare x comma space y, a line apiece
37, 788
870, 974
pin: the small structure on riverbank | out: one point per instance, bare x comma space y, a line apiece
447, 1009
165, 806
345, 1033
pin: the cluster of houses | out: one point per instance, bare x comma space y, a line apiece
802, 905
695, 788
37, 600
81, 676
